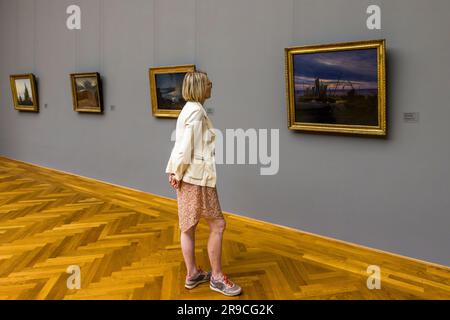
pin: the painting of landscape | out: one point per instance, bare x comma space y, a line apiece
337, 87
87, 92
168, 90
24, 92
86, 89
166, 84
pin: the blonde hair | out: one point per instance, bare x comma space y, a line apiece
194, 86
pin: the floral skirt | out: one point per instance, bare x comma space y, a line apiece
195, 201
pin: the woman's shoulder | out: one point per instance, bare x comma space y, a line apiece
192, 106
192, 110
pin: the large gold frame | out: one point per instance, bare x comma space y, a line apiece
152, 72
34, 92
77, 108
379, 130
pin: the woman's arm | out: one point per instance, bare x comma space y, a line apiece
182, 155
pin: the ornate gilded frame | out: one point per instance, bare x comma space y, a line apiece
152, 72
34, 92
379, 130
99, 93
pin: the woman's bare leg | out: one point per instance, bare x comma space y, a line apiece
188, 248
217, 227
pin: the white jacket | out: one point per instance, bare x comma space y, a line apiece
193, 156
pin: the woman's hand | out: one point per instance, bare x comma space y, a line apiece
174, 182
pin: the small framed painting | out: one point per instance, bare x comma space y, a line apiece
165, 89
24, 92
87, 92
339, 88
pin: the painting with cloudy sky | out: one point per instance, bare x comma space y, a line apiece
336, 87
168, 90
24, 92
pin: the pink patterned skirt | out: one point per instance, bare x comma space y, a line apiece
196, 201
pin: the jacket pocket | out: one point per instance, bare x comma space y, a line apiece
195, 170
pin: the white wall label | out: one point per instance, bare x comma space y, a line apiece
411, 117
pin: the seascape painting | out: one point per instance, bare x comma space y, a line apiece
168, 91
165, 89
337, 89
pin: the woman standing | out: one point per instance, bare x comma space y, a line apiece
192, 173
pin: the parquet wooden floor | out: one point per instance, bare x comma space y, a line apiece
126, 243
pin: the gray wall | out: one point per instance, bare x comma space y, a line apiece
389, 194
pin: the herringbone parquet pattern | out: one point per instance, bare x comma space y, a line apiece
126, 243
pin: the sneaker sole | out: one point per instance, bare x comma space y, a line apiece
224, 293
192, 286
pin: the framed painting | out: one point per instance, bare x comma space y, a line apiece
339, 88
24, 92
165, 89
87, 92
